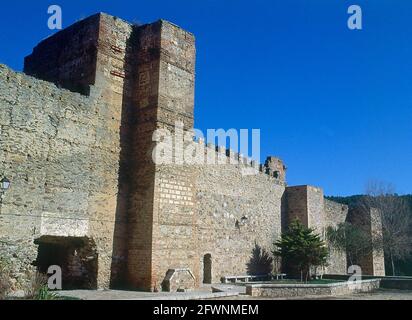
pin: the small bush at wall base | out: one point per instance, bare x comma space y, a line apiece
38, 290
45, 294
5, 280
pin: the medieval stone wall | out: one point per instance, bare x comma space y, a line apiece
161, 213
62, 159
237, 211
175, 217
81, 165
335, 214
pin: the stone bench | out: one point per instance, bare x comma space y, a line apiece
236, 279
278, 276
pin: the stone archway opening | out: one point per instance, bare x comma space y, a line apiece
207, 269
77, 258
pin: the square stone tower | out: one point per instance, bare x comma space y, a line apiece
369, 220
92, 57
161, 209
146, 75
306, 203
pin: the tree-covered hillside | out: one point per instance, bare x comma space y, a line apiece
352, 201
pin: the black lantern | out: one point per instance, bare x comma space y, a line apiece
4, 184
244, 220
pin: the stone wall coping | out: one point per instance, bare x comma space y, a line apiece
328, 285
47, 84
371, 277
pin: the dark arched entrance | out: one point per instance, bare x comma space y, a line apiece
207, 269
77, 257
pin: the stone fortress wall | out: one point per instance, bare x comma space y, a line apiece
84, 184
60, 150
236, 212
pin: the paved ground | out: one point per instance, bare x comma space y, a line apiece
230, 293
382, 294
202, 293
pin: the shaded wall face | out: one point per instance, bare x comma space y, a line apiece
114, 84
144, 65
297, 205
370, 222
68, 58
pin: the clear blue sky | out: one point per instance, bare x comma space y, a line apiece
335, 104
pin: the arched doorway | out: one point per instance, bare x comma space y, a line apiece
207, 269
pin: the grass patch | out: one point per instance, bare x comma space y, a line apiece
317, 281
293, 281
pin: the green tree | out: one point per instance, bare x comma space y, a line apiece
301, 248
395, 215
261, 263
352, 240
5, 279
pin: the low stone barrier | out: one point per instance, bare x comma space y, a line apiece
388, 282
304, 290
400, 284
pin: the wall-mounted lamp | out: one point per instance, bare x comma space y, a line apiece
242, 222
4, 186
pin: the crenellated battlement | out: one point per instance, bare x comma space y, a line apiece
219, 155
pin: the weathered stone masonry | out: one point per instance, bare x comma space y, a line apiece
76, 141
